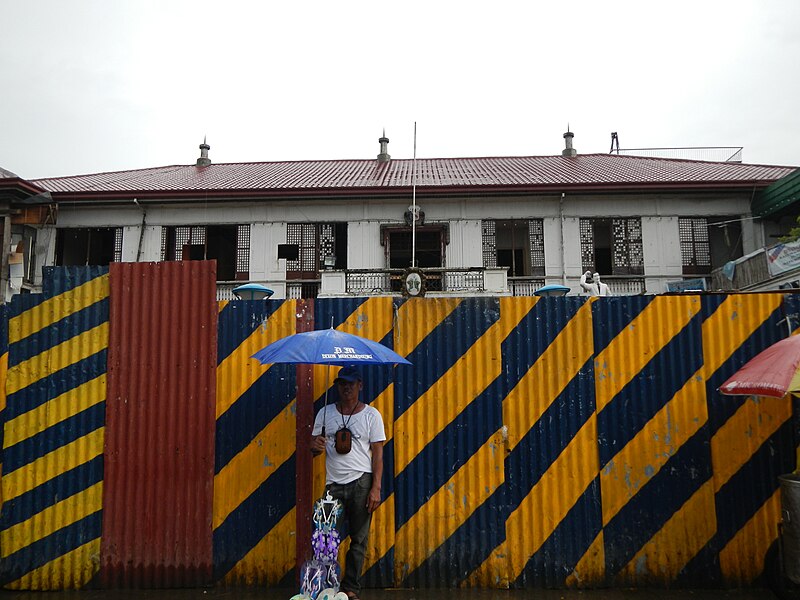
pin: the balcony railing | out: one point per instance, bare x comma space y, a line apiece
295, 288
748, 271
623, 285
390, 281
438, 281
302, 288
524, 286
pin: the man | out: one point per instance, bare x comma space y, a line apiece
351, 434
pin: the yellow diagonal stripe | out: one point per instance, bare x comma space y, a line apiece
549, 375
450, 506
686, 532
384, 403
238, 372
381, 535
52, 464
66, 353
270, 559
451, 394
742, 558
655, 443
628, 353
242, 476
51, 519
731, 324
743, 434
54, 411
54, 309
591, 568
545, 506
417, 318
72, 570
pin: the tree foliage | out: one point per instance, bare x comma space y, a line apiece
794, 232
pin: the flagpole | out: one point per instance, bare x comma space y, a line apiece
414, 202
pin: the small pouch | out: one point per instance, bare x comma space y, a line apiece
343, 440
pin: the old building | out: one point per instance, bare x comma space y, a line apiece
503, 225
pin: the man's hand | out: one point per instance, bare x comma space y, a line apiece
318, 444
374, 499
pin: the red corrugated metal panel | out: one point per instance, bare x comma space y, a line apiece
525, 171
159, 454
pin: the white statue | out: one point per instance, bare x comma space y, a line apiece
592, 285
602, 288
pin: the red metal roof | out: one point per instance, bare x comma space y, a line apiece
437, 174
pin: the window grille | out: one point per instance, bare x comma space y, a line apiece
587, 244
489, 244
536, 245
627, 251
118, 245
243, 250
304, 236
327, 241
695, 246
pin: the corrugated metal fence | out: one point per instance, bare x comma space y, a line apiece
554, 442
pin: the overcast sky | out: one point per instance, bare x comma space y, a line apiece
105, 85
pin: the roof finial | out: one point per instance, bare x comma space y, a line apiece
204, 161
384, 142
568, 151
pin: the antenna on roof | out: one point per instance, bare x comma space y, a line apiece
414, 202
614, 142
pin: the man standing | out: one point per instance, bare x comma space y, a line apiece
351, 434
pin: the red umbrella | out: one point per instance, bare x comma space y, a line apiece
774, 372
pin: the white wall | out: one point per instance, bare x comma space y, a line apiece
268, 220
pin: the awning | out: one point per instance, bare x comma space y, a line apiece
779, 195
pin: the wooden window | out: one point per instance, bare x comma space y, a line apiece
612, 246
88, 246
515, 244
229, 245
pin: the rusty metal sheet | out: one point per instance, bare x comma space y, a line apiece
159, 455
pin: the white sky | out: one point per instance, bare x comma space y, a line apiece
103, 85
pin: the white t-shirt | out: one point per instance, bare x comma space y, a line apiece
366, 427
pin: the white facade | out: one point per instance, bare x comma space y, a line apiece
141, 225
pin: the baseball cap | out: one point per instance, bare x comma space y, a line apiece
348, 374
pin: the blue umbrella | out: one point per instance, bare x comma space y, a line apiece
328, 347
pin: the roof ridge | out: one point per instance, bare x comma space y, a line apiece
616, 157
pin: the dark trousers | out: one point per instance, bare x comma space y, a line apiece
353, 497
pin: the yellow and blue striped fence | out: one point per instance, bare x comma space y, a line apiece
557, 442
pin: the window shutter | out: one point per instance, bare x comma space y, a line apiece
587, 245
488, 229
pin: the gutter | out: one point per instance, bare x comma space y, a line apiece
180, 196
141, 230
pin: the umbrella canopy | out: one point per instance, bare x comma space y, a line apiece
773, 372
328, 347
